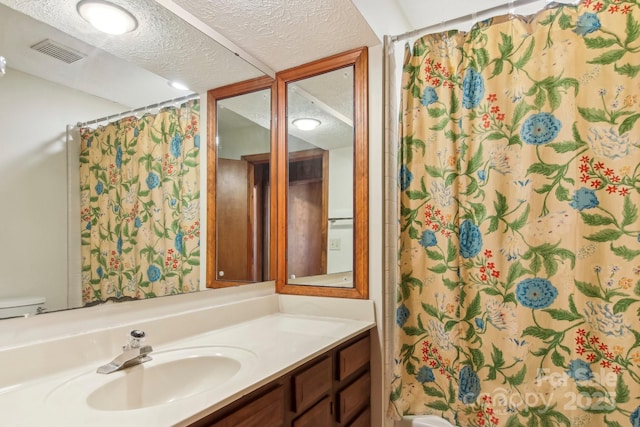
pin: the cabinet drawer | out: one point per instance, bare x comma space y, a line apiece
318, 416
265, 411
353, 357
311, 384
362, 420
353, 398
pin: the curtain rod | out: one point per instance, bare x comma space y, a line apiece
137, 110
460, 20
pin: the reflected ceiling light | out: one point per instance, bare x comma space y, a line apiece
177, 85
107, 17
306, 123
3, 66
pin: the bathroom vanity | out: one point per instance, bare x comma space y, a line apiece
268, 359
332, 389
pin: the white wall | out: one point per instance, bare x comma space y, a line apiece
340, 206
242, 141
34, 114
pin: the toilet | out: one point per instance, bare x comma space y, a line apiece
21, 306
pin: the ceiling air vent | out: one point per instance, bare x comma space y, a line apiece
58, 51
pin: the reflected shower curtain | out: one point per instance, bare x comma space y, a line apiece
519, 251
140, 206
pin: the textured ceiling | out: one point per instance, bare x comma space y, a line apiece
100, 73
162, 44
286, 33
132, 69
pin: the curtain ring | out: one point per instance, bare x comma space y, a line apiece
443, 30
512, 9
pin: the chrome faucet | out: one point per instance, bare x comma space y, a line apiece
133, 353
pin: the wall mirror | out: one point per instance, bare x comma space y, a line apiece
323, 163
40, 95
241, 215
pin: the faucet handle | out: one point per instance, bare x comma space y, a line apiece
136, 338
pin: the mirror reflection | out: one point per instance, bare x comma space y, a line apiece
242, 167
320, 179
61, 71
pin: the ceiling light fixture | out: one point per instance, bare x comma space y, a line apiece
306, 123
177, 85
107, 17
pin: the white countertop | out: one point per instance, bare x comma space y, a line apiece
279, 333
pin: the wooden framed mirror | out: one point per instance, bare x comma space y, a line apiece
322, 176
241, 212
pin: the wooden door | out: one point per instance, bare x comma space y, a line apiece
305, 246
233, 220
307, 214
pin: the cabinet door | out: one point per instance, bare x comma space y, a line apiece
362, 420
353, 357
311, 384
318, 416
265, 411
353, 398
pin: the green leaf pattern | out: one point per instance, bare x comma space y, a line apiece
519, 248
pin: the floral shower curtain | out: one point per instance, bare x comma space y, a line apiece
519, 252
140, 197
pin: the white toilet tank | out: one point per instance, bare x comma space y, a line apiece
20, 306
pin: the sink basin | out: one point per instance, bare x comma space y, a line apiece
172, 375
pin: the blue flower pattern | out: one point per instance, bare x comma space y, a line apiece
402, 314
153, 273
176, 145
429, 96
153, 180
119, 157
425, 375
540, 129
587, 23
579, 370
428, 239
635, 417
468, 385
536, 293
178, 242
405, 177
472, 89
584, 198
470, 239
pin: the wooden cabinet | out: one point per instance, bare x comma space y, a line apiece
311, 384
332, 390
318, 416
266, 410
